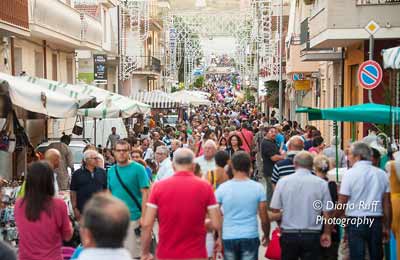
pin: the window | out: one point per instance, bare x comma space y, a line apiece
39, 68
54, 65
18, 60
70, 78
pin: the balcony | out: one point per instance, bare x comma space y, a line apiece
341, 23
55, 21
378, 2
59, 23
294, 64
315, 54
14, 16
148, 65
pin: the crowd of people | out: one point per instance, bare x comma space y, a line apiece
198, 189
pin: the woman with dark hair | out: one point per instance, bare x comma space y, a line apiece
42, 220
317, 145
234, 145
222, 144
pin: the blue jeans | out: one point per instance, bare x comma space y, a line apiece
241, 249
363, 235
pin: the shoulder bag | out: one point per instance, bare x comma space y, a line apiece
153, 244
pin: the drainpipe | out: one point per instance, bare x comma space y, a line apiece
342, 93
46, 123
12, 56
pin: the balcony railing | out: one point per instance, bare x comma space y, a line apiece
148, 63
377, 2
15, 12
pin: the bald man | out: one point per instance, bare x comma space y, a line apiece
104, 227
285, 167
207, 160
53, 157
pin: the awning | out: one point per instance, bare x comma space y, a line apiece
391, 58
369, 113
190, 98
110, 105
156, 99
116, 106
40, 98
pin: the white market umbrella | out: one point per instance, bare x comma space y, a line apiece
38, 98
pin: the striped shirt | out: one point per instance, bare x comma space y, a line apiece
283, 168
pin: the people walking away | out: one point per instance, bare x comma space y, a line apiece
246, 136
330, 152
207, 160
42, 220
301, 220
113, 138
364, 184
63, 177
270, 155
321, 168
127, 181
180, 203
218, 176
86, 181
285, 167
165, 169
241, 199
105, 222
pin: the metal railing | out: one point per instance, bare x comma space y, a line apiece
15, 12
148, 63
377, 2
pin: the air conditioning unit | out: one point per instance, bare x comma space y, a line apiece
308, 2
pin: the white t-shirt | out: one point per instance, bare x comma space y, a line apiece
365, 185
104, 254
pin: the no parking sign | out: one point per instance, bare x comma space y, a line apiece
370, 74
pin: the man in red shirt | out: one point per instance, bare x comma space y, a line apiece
247, 137
181, 204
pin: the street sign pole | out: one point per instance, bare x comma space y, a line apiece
371, 57
372, 27
280, 64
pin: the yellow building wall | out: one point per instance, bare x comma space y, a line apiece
354, 57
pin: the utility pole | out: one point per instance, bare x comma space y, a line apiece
280, 63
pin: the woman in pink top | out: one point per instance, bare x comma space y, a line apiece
318, 145
42, 220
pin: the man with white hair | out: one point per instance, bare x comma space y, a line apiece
182, 200
207, 160
365, 194
301, 219
175, 145
165, 169
86, 181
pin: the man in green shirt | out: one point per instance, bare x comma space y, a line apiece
127, 180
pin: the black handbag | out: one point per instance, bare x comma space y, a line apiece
21, 138
6, 135
77, 130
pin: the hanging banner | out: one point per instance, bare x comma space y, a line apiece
100, 68
304, 85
